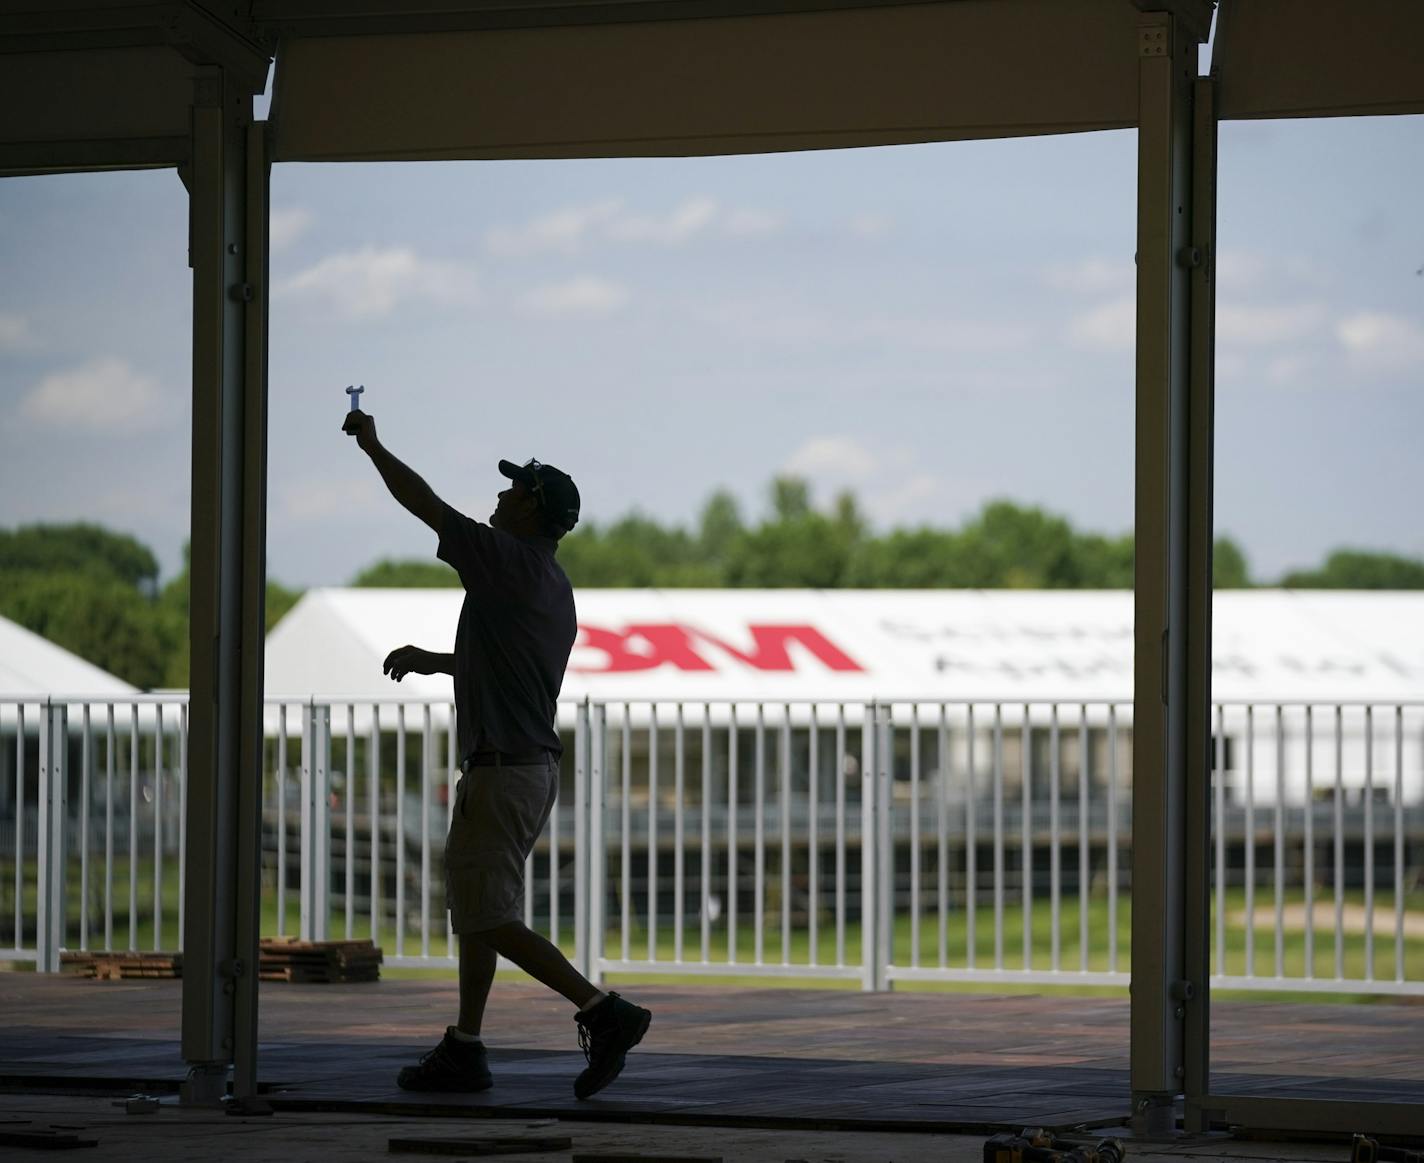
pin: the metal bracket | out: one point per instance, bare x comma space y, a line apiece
206, 1085
1193, 15
1154, 41
199, 36
241, 293
1190, 257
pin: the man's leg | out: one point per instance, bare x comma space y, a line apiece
460, 1063
537, 956
609, 1026
477, 962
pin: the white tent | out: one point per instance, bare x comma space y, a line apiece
32, 667
1269, 645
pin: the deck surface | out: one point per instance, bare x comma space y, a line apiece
745, 1056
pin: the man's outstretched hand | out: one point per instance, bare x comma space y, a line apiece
404, 660
362, 426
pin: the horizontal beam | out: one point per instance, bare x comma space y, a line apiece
54, 157
1194, 15
851, 76
1319, 58
190, 29
370, 17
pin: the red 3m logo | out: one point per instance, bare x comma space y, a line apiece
646, 646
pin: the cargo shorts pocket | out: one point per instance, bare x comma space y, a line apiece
499, 813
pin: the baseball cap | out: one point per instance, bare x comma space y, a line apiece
557, 493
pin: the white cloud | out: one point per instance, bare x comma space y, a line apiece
565, 230
943, 334
1291, 371
570, 230
842, 456
287, 225
372, 282
583, 297
750, 223
683, 223
322, 499
1250, 270
1092, 276
890, 485
870, 226
894, 505
1247, 325
16, 334
1240, 269
1390, 341
1231, 367
1110, 326
764, 319
104, 394
780, 321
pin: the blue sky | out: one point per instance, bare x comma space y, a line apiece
932, 326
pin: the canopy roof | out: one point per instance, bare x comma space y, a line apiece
95, 84
864, 644
34, 667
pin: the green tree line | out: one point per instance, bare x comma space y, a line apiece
98, 593
796, 544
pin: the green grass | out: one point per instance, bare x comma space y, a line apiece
955, 936
1070, 949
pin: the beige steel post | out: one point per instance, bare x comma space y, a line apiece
227, 183
1201, 450
1165, 504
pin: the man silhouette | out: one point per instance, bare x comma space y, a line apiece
516, 630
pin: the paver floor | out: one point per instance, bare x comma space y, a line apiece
714, 1055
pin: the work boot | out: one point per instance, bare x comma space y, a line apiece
606, 1033
452, 1065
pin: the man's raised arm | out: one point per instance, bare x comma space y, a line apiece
404, 483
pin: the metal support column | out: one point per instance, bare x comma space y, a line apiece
1200, 260
227, 183
1167, 69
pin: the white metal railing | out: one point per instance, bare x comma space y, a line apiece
943, 841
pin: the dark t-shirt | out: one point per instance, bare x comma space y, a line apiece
517, 628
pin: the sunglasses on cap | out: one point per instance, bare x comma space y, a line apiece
538, 487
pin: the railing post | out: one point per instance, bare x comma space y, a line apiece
581, 840
869, 831
49, 916
884, 844
597, 841
315, 821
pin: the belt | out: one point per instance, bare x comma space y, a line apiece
504, 758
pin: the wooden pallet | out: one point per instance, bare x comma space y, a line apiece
287, 959
115, 966
280, 959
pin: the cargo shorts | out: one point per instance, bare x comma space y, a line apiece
499, 813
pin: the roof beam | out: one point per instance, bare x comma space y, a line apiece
370, 17
189, 27
1193, 15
